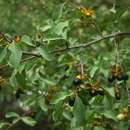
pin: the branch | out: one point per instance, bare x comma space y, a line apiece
23, 60
84, 45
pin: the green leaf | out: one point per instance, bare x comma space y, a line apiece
93, 71
79, 110
15, 56
28, 120
50, 82
61, 10
110, 115
45, 28
110, 91
3, 125
60, 96
26, 39
77, 128
67, 114
89, 115
3, 54
12, 80
61, 29
44, 53
99, 128
42, 104
52, 39
56, 115
96, 100
11, 114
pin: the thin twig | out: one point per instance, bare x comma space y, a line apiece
30, 53
82, 64
28, 58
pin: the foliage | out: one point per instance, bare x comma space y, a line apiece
67, 61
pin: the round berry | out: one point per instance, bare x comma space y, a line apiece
93, 93
119, 78
64, 77
118, 96
77, 81
66, 68
125, 77
17, 95
71, 101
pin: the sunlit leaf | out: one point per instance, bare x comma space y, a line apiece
29, 121
11, 114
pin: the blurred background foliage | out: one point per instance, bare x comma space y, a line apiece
26, 16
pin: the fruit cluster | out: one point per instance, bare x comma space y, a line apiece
94, 89
117, 73
78, 80
90, 88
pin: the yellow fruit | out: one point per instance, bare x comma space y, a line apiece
79, 76
120, 116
